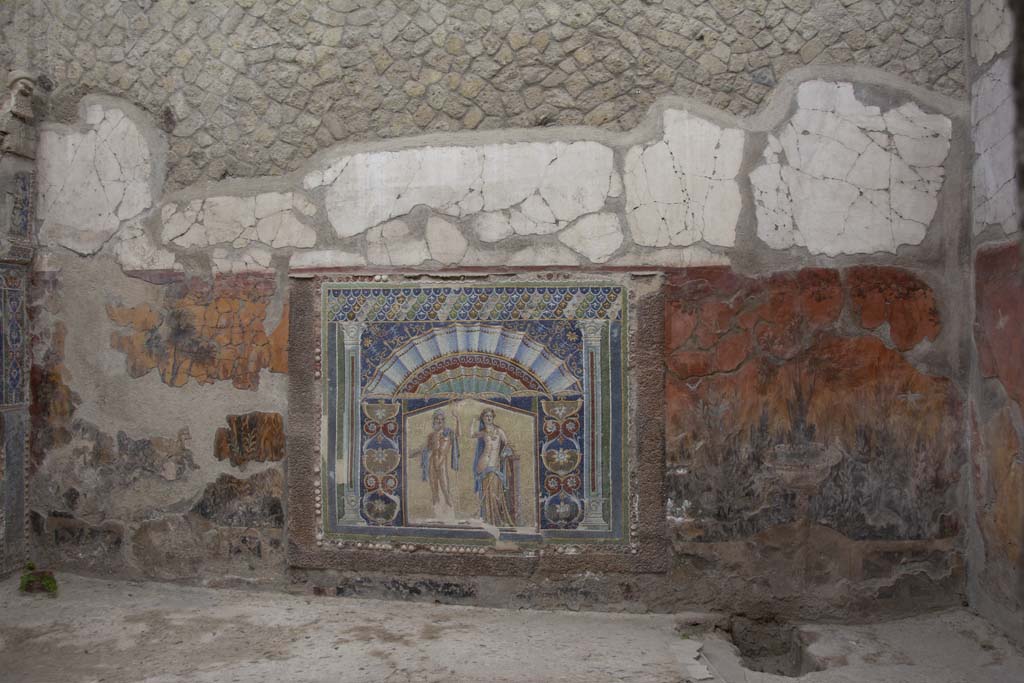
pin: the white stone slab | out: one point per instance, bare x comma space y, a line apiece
92, 180
842, 177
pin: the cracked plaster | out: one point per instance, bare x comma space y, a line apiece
325, 258
270, 218
995, 164
843, 177
596, 236
678, 181
393, 244
91, 180
991, 28
552, 181
135, 250
252, 259
683, 189
445, 241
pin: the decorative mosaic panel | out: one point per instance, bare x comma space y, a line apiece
12, 341
477, 413
21, 204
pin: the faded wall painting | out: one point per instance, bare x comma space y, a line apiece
473, 412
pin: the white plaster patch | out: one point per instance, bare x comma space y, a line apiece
270, 218
596, 236
92, 180
325, 258
995, 165
844, 178
252, 259
578, 180
136, 251
543, 255
393, 244
445, 241
685, 257
570, 179
475, 256
683, 189
991, 28
492, 227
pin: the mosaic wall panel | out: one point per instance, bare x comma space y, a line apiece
12, 341
473, 412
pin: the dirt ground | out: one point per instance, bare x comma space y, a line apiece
111, 631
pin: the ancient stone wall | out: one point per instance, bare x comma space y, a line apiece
250, 87
996, 557
811, 309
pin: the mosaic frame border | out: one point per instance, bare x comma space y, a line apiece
643, 545
612, 451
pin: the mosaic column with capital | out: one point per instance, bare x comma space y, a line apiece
594, 332
349, 466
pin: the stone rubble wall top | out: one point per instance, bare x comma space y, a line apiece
249, 88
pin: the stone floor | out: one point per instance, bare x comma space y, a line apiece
111, 631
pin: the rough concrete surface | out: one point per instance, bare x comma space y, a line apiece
110, 631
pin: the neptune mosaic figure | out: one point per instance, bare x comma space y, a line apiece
494, 470
441, 450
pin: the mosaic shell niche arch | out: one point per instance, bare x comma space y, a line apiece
474, 415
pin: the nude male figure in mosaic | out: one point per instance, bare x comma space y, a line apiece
441, 451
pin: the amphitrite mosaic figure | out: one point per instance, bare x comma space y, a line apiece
494, 467
440, 453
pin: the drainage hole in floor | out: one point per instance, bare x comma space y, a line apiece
772, 647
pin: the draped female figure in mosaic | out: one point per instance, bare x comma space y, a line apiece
494, 467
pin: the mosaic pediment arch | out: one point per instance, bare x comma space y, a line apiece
473, 359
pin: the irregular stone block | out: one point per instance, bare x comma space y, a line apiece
253, 437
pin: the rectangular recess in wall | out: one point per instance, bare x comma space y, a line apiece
490, 416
